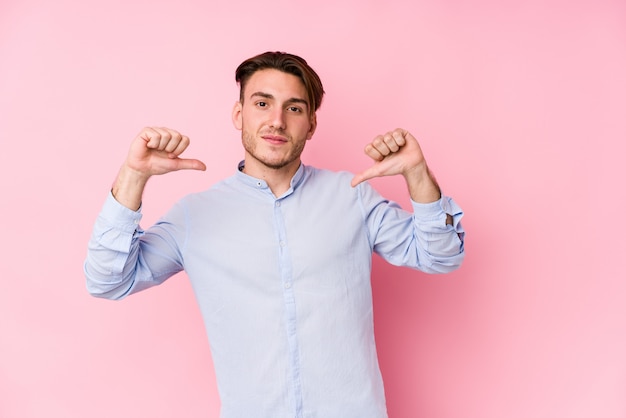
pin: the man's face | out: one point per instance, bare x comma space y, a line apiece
274, 120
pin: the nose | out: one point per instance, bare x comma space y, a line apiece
277, 118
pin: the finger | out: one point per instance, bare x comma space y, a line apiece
393, 142
400, 137
165, 135
406, 135
151, 136
373, 153
188, 164
174, 141
359, 178
380, 145
356, 180
182, 146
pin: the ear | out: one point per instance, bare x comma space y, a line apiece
313, 126
236, 116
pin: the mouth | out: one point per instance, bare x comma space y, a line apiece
274, 139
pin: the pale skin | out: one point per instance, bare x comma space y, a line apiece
276, 123
154, 151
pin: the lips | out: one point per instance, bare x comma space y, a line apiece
274, 139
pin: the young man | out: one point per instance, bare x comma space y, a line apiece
279, 254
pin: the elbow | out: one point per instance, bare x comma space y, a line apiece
449, 255
442, 265
105, 288
103, 292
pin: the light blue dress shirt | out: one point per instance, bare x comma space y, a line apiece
283, 283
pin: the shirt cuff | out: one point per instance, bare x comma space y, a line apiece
114, 213
437, 209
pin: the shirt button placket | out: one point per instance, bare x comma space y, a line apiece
286, 278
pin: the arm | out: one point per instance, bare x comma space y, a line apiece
154, 151
397, 152
439, 234
118, 261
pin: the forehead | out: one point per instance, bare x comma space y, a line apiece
277, 83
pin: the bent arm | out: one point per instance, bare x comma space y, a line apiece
423, 240
431, 239
123, 259
439, 235
154, 151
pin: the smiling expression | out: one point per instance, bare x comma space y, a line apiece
275, 121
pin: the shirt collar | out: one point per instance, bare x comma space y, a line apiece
262, 184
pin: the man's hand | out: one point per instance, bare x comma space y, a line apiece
154, 151
398, 152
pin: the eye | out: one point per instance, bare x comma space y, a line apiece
294, 109
261, 104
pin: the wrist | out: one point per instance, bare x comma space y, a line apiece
128, 187
418, 172
423, 186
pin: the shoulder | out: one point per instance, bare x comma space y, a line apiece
328, 176
216, 191
324, 184
338, 180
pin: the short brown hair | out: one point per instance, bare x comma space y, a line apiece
287, 63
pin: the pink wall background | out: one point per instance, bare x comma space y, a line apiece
520, 109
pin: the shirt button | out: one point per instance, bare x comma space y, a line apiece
259, 184
277, 204
282, 243
287, 285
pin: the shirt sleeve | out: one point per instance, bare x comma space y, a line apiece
421, 239
441, 244
122, 258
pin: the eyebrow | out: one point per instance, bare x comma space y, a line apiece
270, 96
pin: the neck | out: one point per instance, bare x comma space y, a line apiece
277, 179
